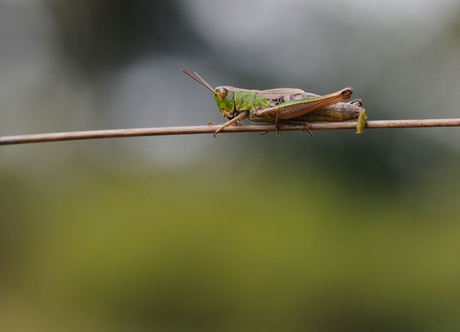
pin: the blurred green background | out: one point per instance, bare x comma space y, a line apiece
339, 232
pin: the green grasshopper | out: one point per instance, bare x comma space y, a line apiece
283, 105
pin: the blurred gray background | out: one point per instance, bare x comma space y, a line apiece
339, 232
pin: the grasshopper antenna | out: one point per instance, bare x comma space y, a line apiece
203, 83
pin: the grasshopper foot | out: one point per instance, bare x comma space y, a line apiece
303, 124
307, 131
210, 123
264, 133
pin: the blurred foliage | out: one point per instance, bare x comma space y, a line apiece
101, 35
257, 246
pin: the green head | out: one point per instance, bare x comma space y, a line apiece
225, 100
223, 95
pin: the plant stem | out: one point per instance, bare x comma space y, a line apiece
190, 130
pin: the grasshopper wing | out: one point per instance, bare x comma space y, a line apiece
276, 93
294, 108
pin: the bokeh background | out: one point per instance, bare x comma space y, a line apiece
339, 232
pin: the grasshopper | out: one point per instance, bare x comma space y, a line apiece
283, 105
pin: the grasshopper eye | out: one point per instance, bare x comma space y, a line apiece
223, 92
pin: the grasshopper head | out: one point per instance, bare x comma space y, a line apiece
225, 100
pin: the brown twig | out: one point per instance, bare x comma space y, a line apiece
189, 130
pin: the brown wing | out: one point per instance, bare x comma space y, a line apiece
295, 108
274, 94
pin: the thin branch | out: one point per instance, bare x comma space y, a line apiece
189, 130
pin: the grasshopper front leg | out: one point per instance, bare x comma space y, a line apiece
240, 117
